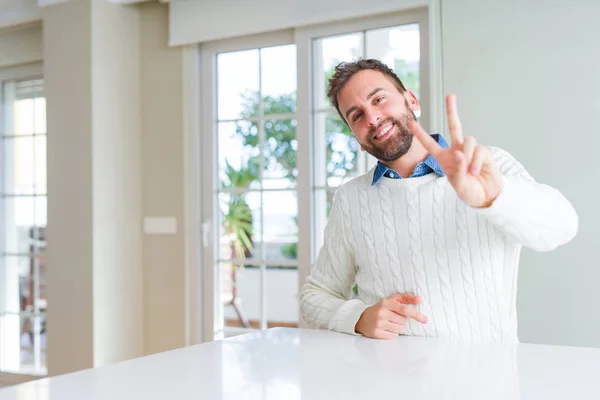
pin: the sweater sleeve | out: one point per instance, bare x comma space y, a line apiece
325, 297
536, 215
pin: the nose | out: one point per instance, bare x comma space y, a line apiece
373, 116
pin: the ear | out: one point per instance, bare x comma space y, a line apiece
412, 100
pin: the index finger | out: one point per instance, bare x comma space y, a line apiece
454, 124
407, 311
406, 298
425, 138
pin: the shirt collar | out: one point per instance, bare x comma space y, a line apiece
430, 162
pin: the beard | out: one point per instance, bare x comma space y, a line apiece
397, 144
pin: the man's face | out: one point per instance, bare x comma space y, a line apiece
378, 114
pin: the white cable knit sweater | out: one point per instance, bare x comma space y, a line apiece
415, 235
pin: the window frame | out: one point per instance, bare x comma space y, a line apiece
209, 157
303, 38
15, 73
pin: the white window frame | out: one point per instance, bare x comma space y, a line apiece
208, 54
24, 72
199, 94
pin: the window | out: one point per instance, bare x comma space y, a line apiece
273, 153
22, 226
255, 191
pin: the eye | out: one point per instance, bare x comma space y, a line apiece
356, 116
378, 100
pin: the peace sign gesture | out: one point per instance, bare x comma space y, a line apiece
470, 167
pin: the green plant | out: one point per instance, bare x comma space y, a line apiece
237, 218
290, 250
280, 142
236, 178
237, 222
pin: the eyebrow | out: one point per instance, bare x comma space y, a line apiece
371, 94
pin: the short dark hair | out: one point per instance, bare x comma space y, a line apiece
346, 70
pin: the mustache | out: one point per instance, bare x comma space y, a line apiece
382, 123
402, 123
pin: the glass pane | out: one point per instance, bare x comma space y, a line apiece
23, 117
39, 116
20, 285
21, 336
329, 52
18, 222
399, 48
280, 210
19, 162
40, 165
237, 84
280, 154
282, 297
240, 234
337, 154
278, 79
33, 339
239, 153
38, 267
40, 217
18, 288
240, 295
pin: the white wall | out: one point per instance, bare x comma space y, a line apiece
21, 45
163, 181
17, 12
70, 206
92, 72
527, 78
111, 279
116, 144
193, 21
99, 152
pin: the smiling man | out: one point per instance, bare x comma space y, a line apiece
432, 235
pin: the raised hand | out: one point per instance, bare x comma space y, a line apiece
470, 167
387, 319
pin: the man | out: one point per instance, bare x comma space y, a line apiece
432, 235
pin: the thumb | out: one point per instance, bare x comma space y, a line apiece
406, 298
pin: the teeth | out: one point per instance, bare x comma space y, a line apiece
383, 132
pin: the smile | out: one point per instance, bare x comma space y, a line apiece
384, 132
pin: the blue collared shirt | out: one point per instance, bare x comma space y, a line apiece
423, 168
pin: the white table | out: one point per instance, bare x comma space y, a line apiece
289, 364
